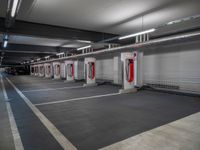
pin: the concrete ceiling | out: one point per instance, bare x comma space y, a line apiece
111, 16
20, 39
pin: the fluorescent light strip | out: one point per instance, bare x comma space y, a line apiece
136, 34
183, 19
14, 8
47, 57
5, 44
81, 48
173, 22
84, 41
60, 54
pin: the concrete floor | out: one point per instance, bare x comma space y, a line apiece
94, 123
183, 134
6, 141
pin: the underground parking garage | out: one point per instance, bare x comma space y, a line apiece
99, 75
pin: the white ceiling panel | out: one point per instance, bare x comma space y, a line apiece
112, 16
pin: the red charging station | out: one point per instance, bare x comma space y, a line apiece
129, 71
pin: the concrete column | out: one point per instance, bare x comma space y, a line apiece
140, 39
147, 37
136, 39
144, 37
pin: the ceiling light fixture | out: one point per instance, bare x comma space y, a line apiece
173, 22
14, 8
47, 57
136, 34
60, 54
183, 19
5, 40
84, 41
81, 48
5, 43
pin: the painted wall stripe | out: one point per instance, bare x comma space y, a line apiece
61, 139
15, 133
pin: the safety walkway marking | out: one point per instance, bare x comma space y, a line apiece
77, 99
53, 89
15, 133
61, 139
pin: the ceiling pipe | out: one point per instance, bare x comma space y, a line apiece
131, 46
28, 52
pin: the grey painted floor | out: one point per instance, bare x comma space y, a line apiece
48, 96
183, 134
92, 123
33, 134
6, 139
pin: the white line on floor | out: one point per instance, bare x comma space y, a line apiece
35, 84
53, 89
77, 99
16, 136
61, 139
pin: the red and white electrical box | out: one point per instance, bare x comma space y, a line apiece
129, 70
56, 70
36, 70
69, 69
47, 68
90, 71
41, 70
32, 70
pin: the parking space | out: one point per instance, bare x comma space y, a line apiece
37, 97
62, 91
99, 75
33, 134
97, 122
26, 83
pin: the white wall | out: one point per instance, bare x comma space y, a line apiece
177, 65
104, 69
174, 64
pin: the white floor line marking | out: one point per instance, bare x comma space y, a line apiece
61, 139
46, 83
53, 89
77, 99
16, 136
